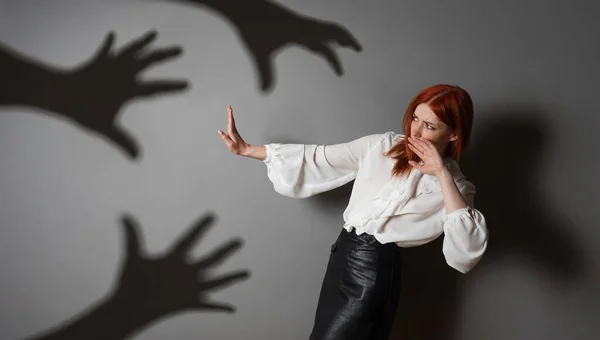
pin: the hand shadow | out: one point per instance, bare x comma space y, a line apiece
266, 27
503, 164
92, 94
153, 288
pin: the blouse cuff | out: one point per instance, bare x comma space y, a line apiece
457, 213
270, 150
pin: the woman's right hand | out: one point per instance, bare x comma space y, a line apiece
234, 142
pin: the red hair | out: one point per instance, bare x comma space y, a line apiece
453, 106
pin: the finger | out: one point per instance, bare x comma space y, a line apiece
219, 255
416, 150
215, 306
132, 240
124, 141
415, 164
234, 134
230, 123
331, 57
416, 142
138, 44
224, 281
151, 88
343, 37
419, 144
266, 73
348, 40
106, 45
226, 139
159, 56
425, 142
188, 239
231, 130
231, 145
430, 147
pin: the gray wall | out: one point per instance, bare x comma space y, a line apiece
530, 67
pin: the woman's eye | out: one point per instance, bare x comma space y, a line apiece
430, 127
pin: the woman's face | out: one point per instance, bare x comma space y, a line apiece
427, 125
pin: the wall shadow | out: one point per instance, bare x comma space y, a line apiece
152, 288
266, 28
91, 95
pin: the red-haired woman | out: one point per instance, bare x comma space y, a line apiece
408, 190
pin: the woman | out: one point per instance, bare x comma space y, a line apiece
408, 190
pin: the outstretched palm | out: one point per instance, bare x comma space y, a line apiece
98, 89
172, 283
232, 139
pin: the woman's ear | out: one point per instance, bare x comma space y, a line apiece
453, 137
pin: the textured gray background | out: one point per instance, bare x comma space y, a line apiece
530, 66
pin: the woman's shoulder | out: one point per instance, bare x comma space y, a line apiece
381, 140
395, 135
388, 138
387, 134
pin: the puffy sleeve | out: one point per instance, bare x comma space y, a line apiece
465, 239
303, 170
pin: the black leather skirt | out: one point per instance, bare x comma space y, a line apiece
360, 291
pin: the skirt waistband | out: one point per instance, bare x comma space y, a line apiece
365, 239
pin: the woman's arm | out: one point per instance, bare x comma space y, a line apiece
453, 199
303, 170
465, 229
433, 165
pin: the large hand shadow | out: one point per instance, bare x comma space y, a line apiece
152, 288
266, 27
503, 162
92, 94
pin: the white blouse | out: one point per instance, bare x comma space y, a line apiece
409, 210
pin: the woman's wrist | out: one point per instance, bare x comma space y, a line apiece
255, 151
443, 174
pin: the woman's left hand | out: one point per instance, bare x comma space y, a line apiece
432, 163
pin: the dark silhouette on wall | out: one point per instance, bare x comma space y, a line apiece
153, 288
266, 27
92, 94
505, 163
